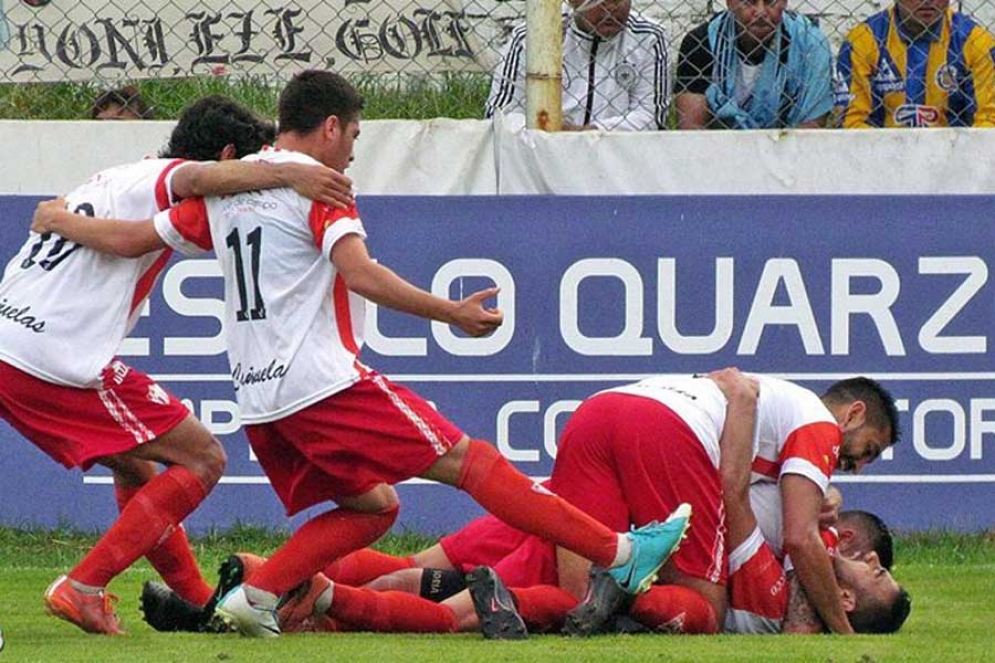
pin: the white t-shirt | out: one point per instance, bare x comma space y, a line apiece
65, 308
294, 330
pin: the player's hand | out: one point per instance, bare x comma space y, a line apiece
476, 319
736, 385
321, 183
46, 214
829, 514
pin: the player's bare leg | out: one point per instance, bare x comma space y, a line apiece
196, 462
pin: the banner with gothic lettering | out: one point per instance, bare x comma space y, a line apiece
57, 40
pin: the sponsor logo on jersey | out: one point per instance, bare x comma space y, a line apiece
21, 316
947, 78
252, 375
626, 75
158, 395
841, 91
916, 115
118, 371
886, 78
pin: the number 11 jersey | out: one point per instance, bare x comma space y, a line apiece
293, 328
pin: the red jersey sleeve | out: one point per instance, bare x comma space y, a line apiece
163, 192
813, 451
324, 216
188, 224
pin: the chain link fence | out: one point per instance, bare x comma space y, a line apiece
662, 64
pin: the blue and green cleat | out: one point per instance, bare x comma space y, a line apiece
652, 546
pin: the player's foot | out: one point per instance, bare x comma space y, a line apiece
249, 619
94, 613
298, 609
495, 606
603, 600
652, 546
164, 610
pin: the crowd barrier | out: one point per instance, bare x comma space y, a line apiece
604, 289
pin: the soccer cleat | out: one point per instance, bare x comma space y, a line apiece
652, 546
495, 606
252, 621
603, 600
297, 611
165, 611
94, 613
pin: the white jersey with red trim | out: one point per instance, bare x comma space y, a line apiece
795, 432
294, 330
65, 308
758, 585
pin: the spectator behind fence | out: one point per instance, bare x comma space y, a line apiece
615, 70
916, 64
754, 66
124, 103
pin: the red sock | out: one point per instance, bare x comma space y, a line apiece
543, 607
151, 515
511, 496
390, 612
674, 609
173, 559
320, 540
358, 568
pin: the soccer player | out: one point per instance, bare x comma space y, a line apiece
323, 425
64, 310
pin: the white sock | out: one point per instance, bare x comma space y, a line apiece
624, 550
260, 598
324, 601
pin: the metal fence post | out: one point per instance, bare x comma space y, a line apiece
544, 67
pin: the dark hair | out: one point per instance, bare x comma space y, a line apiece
881, 410
209, 124
127, 97
312, 96
886, 618
877, 533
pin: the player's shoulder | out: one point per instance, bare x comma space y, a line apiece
791, 400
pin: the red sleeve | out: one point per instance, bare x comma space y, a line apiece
816, 445
162, 197
759, 586
189, 218
323, 215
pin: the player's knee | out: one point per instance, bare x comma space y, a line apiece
209, 461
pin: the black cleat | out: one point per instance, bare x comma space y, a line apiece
231, 574
495, 606
164, 610
604, 599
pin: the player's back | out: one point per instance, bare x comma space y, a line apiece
294, 330
65, 308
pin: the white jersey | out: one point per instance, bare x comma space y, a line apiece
65, 308
795, 432
618, 83
294, 330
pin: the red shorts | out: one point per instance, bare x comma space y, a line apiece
627, 459
76, 427
371, 433
484, 542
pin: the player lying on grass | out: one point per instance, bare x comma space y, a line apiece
527, 565
67, 309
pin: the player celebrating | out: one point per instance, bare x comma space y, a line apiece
65, 310
323, 425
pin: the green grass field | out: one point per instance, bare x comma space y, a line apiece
949, 576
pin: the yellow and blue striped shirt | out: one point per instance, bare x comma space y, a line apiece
945, 77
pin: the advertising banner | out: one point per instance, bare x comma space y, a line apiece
600, 291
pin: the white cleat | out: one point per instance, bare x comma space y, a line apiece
251, 621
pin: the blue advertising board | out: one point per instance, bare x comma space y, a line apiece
599, 291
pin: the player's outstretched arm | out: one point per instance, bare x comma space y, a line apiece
128, 239
802, 500
385, 288
315, 182
736, 451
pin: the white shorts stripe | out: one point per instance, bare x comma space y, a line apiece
124, 416
427, 432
